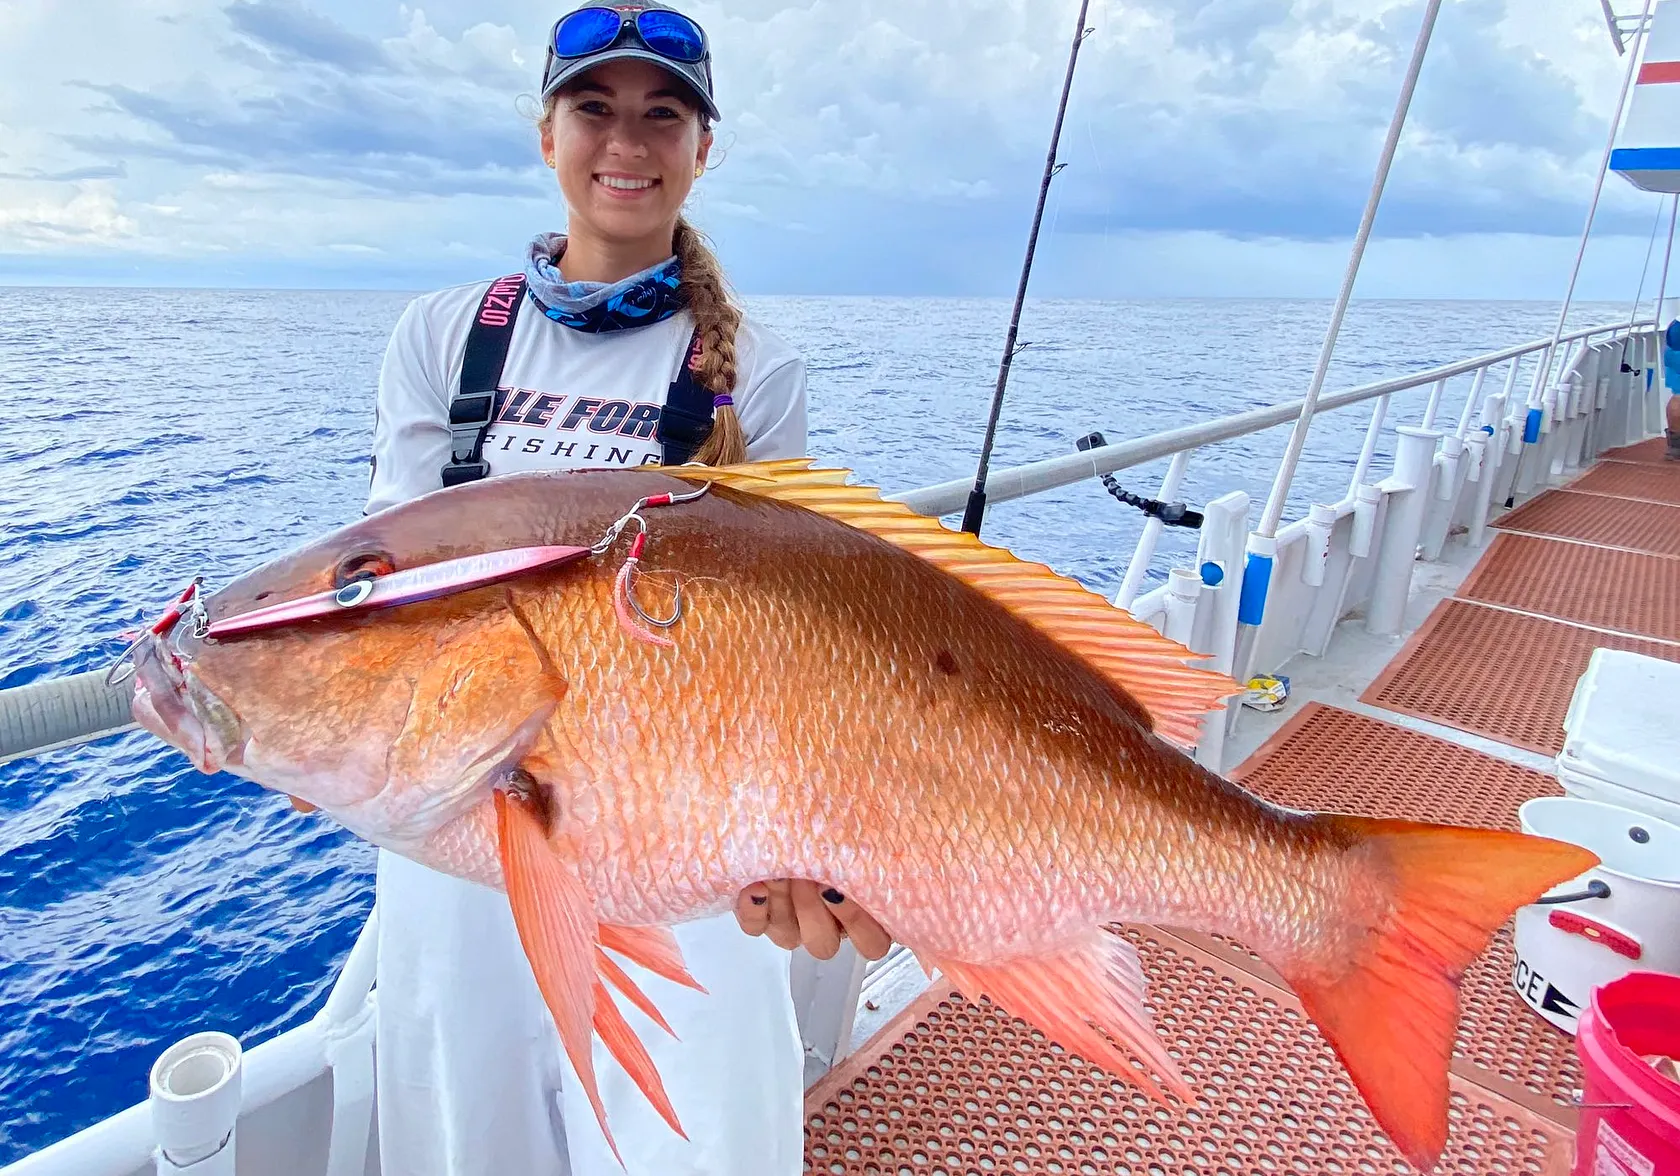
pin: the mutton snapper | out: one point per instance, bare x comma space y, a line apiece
973, 748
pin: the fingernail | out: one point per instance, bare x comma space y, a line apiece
760, 899
833, 897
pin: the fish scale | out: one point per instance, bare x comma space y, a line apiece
985, 756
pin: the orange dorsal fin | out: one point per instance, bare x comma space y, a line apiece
1387, 999
1074, 998
1132, 655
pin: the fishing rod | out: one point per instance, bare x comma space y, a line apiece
976, 508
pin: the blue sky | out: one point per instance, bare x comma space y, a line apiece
1215, 147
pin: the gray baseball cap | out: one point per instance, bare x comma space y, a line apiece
617, 30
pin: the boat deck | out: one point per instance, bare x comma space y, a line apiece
951, 1087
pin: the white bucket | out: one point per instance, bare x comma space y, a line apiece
1621, 916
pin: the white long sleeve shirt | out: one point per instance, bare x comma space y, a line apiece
573, 400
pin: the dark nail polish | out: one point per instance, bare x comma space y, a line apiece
833, 896
760, 899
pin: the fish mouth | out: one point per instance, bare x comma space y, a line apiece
172, 703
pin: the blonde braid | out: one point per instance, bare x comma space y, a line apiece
716, 319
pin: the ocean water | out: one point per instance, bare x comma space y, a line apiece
154, 435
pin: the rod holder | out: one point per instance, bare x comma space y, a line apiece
1366, 499
195, 1090
1184, 589
1321, 520
1408, 498
1452, 451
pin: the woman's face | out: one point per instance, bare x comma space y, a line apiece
625, 141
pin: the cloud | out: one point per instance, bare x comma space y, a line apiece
102, 171
294, 33
867, 128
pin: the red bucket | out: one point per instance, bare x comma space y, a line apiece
1630, 1114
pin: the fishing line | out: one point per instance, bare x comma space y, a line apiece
1639, 293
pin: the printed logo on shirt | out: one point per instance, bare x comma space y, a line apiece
534, 429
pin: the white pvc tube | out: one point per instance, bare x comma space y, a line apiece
196, 1090
1414, 462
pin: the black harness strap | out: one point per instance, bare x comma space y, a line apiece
472, 407
686, 420
684, 423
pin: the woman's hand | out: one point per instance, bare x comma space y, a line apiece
795, 912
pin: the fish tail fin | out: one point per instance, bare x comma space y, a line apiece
1429, 898
1079, 998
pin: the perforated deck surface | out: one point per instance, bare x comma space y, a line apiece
1652, 483
1612, 589
1651, 451
1330, 759
1496, 673
1595, 518
957, 1087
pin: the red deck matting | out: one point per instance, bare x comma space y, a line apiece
1496, 673
1651, 483
1595, 518
1609, 588
1652, 451
955, 1088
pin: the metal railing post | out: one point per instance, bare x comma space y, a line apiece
1152, 527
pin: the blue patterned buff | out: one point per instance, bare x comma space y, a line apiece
637, 301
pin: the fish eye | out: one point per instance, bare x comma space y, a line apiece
363, 565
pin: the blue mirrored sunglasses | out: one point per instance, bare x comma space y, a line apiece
669, 34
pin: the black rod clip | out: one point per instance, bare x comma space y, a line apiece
1171, 514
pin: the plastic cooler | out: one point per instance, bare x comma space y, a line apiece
1622, 744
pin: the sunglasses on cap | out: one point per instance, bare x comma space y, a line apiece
669, 34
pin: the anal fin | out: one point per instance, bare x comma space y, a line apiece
1073, 998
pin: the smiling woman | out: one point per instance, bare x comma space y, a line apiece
618, 345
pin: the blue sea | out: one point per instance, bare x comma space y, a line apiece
151, 435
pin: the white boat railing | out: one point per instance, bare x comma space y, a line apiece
1356, 553
1359, 552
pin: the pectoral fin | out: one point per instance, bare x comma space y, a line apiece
555, 917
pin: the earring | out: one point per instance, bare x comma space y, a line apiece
549, 162
699, 171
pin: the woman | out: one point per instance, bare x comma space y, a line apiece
616, 351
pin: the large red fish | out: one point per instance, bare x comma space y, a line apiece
973, 748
